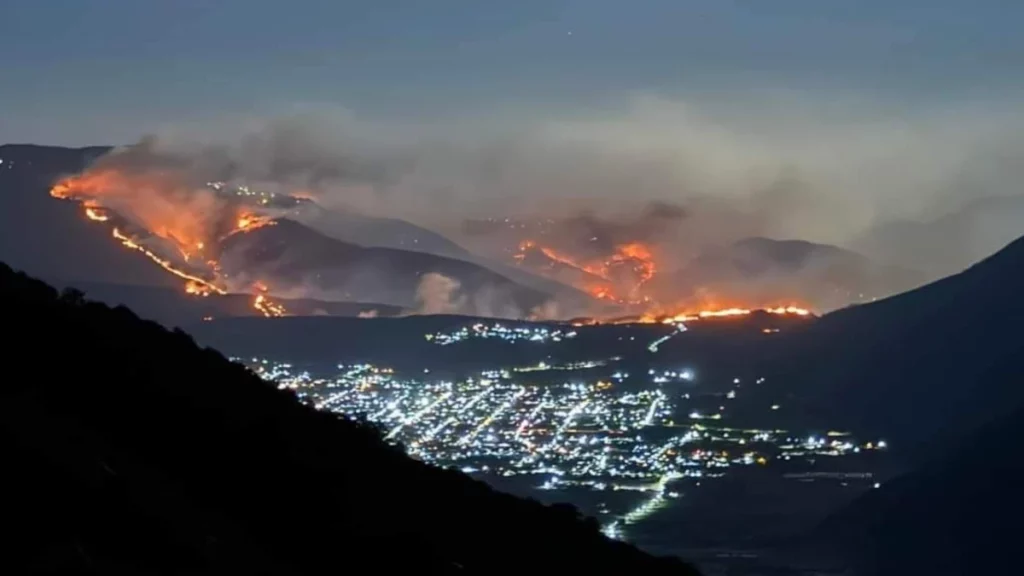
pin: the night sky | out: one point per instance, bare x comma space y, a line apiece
107, 71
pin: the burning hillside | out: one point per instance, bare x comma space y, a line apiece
618, 277
220, 239
208, 239
696, 315
630, 279
143, 213
657, 264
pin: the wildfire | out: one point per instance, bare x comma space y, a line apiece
268, 308
184, 231
635, 257
249, 222
96, 214
623, 278
193, 284
726, 313
697, 315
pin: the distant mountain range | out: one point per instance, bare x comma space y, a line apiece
51, 239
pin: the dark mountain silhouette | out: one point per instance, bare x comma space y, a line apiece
764, 270
291, 255
138, 452
955, 515
921, 368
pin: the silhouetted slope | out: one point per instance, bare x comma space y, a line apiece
134, 451
957, 515
929, 364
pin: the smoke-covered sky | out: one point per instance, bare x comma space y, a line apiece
105, 71
791, 118
789, 167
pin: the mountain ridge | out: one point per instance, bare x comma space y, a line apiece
51, 239
867, 366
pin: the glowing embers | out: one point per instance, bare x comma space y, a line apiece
618, 277
178, 236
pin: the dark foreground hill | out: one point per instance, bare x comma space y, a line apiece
130, 450
921, 368
959, 514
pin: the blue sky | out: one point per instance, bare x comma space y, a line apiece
106, 71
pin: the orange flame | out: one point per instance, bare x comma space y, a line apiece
96, 214
726, 313
605, 281
148, 195
248, 222
267, 307
637, 256
193, 284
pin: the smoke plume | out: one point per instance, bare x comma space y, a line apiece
683, 177
438, 294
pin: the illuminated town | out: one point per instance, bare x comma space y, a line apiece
639, 439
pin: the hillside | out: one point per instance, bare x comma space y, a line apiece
396, 234
51, 239
962, 503
919, 368
140, 452
355, 228
290, 255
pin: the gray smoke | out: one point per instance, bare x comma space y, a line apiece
685, 175
438, 294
